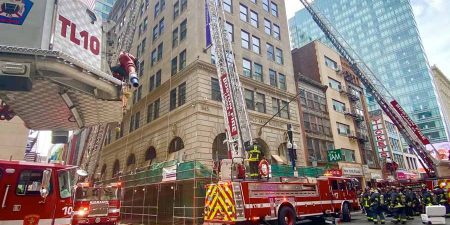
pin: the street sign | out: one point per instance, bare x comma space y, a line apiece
334, 155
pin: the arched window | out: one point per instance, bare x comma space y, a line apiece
219, 148
131, 160
103, 172
116, 168
176, 145
150, 155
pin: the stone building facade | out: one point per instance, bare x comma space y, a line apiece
176, 113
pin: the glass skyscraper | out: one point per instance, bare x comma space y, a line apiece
385, 35
103, 7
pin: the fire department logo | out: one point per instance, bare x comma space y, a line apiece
14, 11
32, 219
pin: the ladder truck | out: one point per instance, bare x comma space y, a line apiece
238, 200
405, 125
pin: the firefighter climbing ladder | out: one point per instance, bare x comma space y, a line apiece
405, 125
234, 109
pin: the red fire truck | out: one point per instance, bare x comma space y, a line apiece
234, 202
36, 193
96, 204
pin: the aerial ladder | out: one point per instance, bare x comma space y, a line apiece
238, 129
125, 71
374, 86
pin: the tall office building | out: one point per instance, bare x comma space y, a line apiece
385, 35
104, 7
176, 114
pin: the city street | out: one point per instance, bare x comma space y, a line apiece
359, 219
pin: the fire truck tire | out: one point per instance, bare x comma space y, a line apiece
346, 216
286, 216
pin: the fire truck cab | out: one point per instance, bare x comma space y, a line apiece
96, 204
35, 193
285, 202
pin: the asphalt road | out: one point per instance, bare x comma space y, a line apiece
360, 219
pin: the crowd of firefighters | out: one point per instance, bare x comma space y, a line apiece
402, 203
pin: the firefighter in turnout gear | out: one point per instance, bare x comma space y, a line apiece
426, 198
441, 198
376, 206
398, 201
365, 199
254, 157
410, 203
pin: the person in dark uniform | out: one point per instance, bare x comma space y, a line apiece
254, 157
426, 198
398, 201
441, 198
366, 203
410, 203
376, 206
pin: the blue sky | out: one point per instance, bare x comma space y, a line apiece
433, 21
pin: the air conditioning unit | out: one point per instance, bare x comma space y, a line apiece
60, 137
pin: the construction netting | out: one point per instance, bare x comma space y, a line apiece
166, 193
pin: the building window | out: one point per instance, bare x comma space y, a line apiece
181, 94
176, 145
155, 33
285, 110
243, 13
338, 106
139, 93
253, 18
267, 26
157, 10
279, 56
273, 78
29, 182
275, 106
282, 81
230, 31
348, 155
176, 9
144, 26
174, 66
175, 37
330, 63
183, 5
182, 59
131, 123
245, 39
276, 32
149, 113
260, 102
334, 84
343, 129
228, 6
141, 68
173, 99
160, 51
247, 67
266, 5
249, 99
274, 9
215, 90
154, 57
156, 109
183, 30
137, 120
161, 26
270, 52
257, 72
256, 46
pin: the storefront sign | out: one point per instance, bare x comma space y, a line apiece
352, 171
334, 172
169, 173
380, 137
334, 155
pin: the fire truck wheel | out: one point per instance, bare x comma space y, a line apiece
286, 216
346, 216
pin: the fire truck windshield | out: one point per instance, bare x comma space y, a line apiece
66, 179
96, 194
